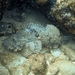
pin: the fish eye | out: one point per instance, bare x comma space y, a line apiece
37, 35
9, 26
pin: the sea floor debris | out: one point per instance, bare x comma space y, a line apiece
37, 48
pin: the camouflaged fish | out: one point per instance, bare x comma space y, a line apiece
6, 28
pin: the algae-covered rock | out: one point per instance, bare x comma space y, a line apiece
63, 13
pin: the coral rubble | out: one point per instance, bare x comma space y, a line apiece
39, 46
63, 12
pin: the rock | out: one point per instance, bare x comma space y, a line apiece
3, 70
41, 1
34, 50
67, 67
31, 73
55, 52
49, 58
37, 64
68, 51
63, 57
15, 63
51, 70
59, 67
63, 14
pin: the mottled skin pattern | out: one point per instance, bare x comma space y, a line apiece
27, 37
6, 28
